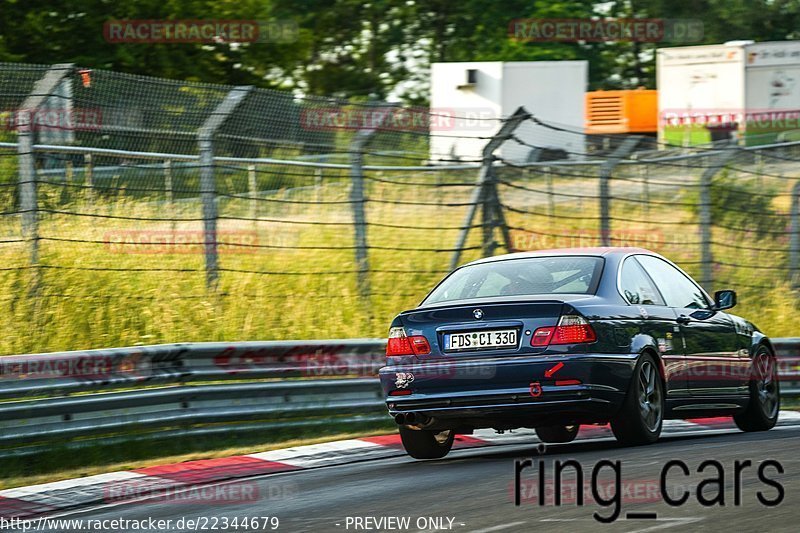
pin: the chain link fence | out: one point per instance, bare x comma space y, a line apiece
142, 210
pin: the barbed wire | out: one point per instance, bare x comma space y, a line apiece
323, 210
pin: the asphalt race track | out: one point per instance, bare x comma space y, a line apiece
475, 489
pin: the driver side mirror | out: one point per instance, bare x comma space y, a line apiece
724, 300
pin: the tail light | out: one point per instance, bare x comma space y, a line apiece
542, 336
571, 329
400, 344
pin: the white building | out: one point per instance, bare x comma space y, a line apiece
462, 93
755, 85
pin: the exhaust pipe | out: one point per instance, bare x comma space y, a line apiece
411, 419
421, 419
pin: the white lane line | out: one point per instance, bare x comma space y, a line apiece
99, 479
498, 527
316, 454
306, 456
174, 491
670, 428
568, 520
664, 522
460, 524
788, 416
669, 522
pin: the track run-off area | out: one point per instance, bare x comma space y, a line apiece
716, 478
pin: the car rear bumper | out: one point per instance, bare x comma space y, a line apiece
507, 392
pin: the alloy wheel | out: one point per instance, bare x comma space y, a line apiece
649, 396
766, 385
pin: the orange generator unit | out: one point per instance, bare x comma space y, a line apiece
621, 112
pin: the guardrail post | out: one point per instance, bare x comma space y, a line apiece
208, 185
485, 194
608, 166
706, 255
26, 129
794, 238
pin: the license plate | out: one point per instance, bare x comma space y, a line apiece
476, 340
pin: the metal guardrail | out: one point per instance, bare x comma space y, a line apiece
93, 370
787, 350
206, 388
123, 394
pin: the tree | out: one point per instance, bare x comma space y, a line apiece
374, 49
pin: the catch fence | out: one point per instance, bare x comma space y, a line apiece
141, 210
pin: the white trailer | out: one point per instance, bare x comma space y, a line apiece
470, 92
755, 86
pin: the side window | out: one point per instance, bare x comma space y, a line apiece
636, 286
678, 290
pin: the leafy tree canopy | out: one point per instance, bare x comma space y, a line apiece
365, 48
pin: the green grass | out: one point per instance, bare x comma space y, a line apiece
59, 462
78, 308
75, 307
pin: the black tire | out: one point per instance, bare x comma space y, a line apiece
426, 444
762, 410
642, 414
557, 434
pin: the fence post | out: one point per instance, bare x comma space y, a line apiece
706, 255
357, 200
794, 238
26, 116
89, 178
208, 184
28, 204
168, 191
88, 171
208, 195
252, 186
644, 172
606, 169
485, 193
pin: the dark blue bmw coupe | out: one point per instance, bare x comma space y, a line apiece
554, 339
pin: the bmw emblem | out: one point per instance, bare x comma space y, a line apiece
478, 314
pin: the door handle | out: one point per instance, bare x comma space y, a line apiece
683, 319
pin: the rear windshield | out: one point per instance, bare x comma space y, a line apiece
519, 277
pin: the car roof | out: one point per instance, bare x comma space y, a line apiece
597, 251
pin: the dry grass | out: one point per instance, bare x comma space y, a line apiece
74, 308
